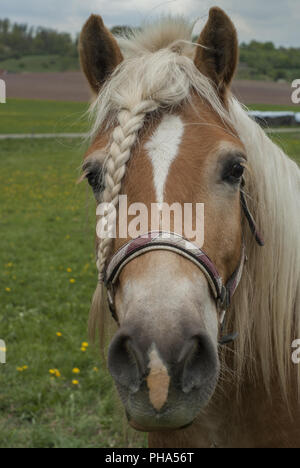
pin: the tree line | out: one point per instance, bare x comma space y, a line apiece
19, 40
257, 60
264, 60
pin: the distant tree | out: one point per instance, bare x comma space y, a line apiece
269, 46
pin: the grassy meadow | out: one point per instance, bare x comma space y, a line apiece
54, 391
40, 63
34, 116
290, 143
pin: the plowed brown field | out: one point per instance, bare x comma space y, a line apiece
71, 86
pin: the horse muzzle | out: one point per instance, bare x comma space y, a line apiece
163, 385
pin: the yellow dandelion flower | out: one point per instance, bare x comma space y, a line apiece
75, 382
83, 349
57, 373
69, 270
76, 370
95, 369
20, 369
51, 371
9, 265
7, 289
58, 334
25, 367
67, 237
84, 344
72, 281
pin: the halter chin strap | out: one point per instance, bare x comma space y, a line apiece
160, 240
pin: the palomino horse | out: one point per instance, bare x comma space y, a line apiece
168, 130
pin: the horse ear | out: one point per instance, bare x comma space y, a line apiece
218, 57
99, 52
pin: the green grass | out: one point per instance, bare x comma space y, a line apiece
46, 230
273, 107
40, 63
290, 143
34, 116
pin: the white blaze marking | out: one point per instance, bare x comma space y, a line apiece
162, 149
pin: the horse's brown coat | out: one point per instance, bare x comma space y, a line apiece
197, 164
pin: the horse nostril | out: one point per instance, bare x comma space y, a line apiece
199, 362
125, 362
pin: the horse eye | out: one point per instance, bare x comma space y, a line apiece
237, 171
95, 179
94, 176
234, 173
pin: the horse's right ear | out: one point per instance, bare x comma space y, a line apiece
99, 52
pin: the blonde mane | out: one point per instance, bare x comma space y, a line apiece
266, 306
158, 72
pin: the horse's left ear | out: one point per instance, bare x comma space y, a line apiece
99, 52
218, 57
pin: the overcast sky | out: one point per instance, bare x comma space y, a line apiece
263, 20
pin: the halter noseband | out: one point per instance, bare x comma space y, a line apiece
160, 240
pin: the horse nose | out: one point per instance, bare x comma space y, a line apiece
126, 362
198, 363
195, 365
